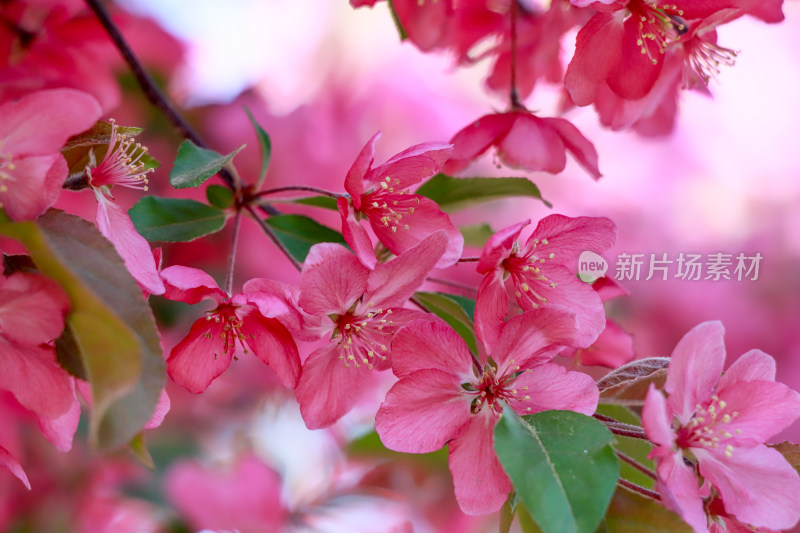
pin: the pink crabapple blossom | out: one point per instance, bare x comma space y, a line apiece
445, 397
542, 272
32, 131
211, 345
715, 427
400, 220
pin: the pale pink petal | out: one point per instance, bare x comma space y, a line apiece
550, 386
328, 389
532, 144
8, 461
32, 309
751, 366
41, 122
34, 185
422, 412
391, 284
758, 486
568, 237
481, 485
680, 491
597, 49
491, 308
198, 359
354, 181
657, 422
579, 146
476, 138
271, 342
412, 165
694, 368
499, 246
428, 218
116, 226
190, 285
33, 376
355, 235
439, 152
533, 337
60, 431
431, 344
162, 408
334, 280
762, 408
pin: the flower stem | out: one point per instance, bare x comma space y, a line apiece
237, 223
469, 259
641, 490
621, 428
274, 238
466, 288
304, 188
514, 94
636, 464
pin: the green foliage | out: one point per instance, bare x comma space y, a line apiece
219, 196
265, 144
299, 233
175, 219
450, 309
194, 165
326, 202
630, 512
562, 467
476, 235
453, 194
109, 319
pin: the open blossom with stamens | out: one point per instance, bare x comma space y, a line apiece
236, 322
399, 219
359, 310
446, 396
122, 165
542, 272
715, 428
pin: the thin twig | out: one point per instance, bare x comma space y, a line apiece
237, 223
636, 464
304, 188
514, 93
469, 259
271, 234
454, 284
641, 490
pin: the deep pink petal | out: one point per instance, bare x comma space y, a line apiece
354, 181
550, 386
481, 485
598, 49
422, 412
7, 460
612, 349
491, 308
657, 422
758, 486
391, 284
763, 408
694, 368
33, 376
190, 285
263, 293
476, 138
608, 289
636, 73
116, 226
533, 337
412, 165
355, 235
34, 185
271, 342
751, 366
162, 408
568, 237
328, 389
332, 281
198, 359
60, 431
499, 246
532, 144
32, 309
680, 491
41, 122
412, 350
579, 146
428, 218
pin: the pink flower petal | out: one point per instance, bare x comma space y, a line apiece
327, 389
198, 359
422, 412
34, 185
533, 337
568, 237
499, 246
355, 235
32, 309
354, 181
612, 349
579, 146
694, 368
476, 138
7, 460
271, 342
550, 386
680, 491
162, 408
60, 431
657, 422
190, 285
635, 72
332, 280
413, 349
597, 49
491, 308
753, 365
763, 408
532, 144
481, 485
116, 226
410, 166
758, 486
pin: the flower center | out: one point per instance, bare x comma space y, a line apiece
657, 26
490, 390
390, 207
228, 325
522, 266
364, 337
710, 427
122, 165
703, 59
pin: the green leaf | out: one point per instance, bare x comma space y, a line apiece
100, 133
264, 143
68, 354
194, 165
633, 513
109, 319
453, 194
219, 196
526, 523
446, 307
326, 202
400, 30
476, 235
175, 219
138, 448
507, 514
562, 467
299, 233
631, 381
